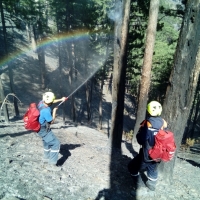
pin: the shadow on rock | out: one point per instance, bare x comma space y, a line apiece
11, 198
195, 149
195, 164
130, 148
120, 180
64, 151
103, 193
62, 127
15, 134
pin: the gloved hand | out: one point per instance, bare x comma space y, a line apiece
63, 99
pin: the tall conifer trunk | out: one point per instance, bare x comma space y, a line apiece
147, 64
10, 72
119, 72
184, 78
2, 97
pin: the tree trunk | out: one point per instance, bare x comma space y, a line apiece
70, 50
2, 97
119, 72
41, 54
73, 108
71, 54
195, 120
103, 74
101, 98
89, 87
41, 59
32, 37
147, 64
183, 79
28, 32
16, 111
6, 54
194, 115
87, 95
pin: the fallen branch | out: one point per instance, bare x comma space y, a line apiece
5, 101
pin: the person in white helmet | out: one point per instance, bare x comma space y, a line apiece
51, 143
146, 138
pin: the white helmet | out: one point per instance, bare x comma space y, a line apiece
154, 108
48, 97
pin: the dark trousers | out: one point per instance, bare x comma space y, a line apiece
138, 164
51, 145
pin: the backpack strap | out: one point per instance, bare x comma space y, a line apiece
164, 125
42, 107
147, 146
47, 125
146, 154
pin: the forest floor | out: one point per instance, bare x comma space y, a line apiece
89, 169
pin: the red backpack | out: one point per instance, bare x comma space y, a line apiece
164, 148
31, 118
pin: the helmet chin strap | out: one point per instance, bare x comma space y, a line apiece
47, 104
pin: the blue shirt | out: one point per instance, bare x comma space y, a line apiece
45, 113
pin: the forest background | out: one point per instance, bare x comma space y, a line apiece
80, 35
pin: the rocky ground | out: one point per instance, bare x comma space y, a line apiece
89, 169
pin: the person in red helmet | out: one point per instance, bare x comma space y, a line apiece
51, 143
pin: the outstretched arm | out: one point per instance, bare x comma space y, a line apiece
164, 125
54, 114
59, 100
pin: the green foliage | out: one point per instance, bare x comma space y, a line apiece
143, 6
136, 37
128, 135
168, 8
166, 39
53, 17
165, 46
26, 10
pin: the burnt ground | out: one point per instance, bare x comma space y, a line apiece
90, 170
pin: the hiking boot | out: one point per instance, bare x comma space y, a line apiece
151, 185
52, 167
142, 193
45, 160
138, 182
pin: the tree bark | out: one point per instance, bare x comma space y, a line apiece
41, 59
147, 64
183, 78
195, 120
89, 89
2, 97
119, 73
10, 72
41, 53
103, 74
72, 75
28, 32
193, 113
101, 98
32, 38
